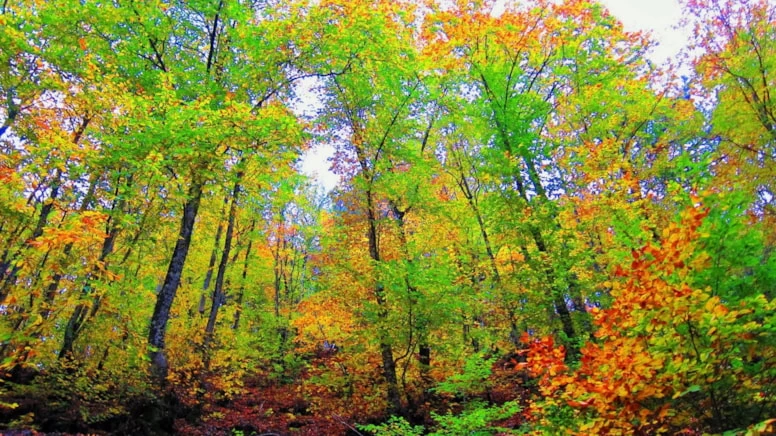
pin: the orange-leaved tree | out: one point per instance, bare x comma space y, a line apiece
668, 354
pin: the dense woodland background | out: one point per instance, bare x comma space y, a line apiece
537, 230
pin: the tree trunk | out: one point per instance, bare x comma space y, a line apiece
558, 294
212, 263
558, 298
470, 198
278, 264
424, 358
238, 303
219, 296
166, 296
386, 351
389, 372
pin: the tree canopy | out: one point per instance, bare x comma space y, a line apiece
536, 229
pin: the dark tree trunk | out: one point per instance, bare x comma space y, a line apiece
420, 323
141, 228
238, 309
424, 358
470, 198
558, 298
278, 266
166, 296
212, 263
46, 308
219, 296
558, 294
6, 258
386, 350
389, 372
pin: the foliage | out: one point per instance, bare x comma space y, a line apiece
668, 355
473, 379
395, 426
477, 419
535, 229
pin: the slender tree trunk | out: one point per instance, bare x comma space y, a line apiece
389, 372
485, 239
166, 296
277, 289
278, 266
212, 263
424, 358
141, 228
386, 350
45, 309
238, 309
472, 200
558, 296
6, 258
288, 272
421, 323
219, 296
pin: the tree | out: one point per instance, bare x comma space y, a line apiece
733, 61
536, 229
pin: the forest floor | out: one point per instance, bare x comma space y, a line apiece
260, 407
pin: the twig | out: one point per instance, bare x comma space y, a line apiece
343, 422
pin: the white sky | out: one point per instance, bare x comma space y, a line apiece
657, 16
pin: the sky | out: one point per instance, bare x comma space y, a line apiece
657, 16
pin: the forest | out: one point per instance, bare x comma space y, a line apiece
536, 230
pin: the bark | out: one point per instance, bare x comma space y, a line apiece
558, 295
238, 309
386, 350
166, 296
219, 296
481, 223
212, 263
281, 273
417, 322
277, 282
278, 269
368, 174
141, 228
6, 259
389, 372
424, 358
